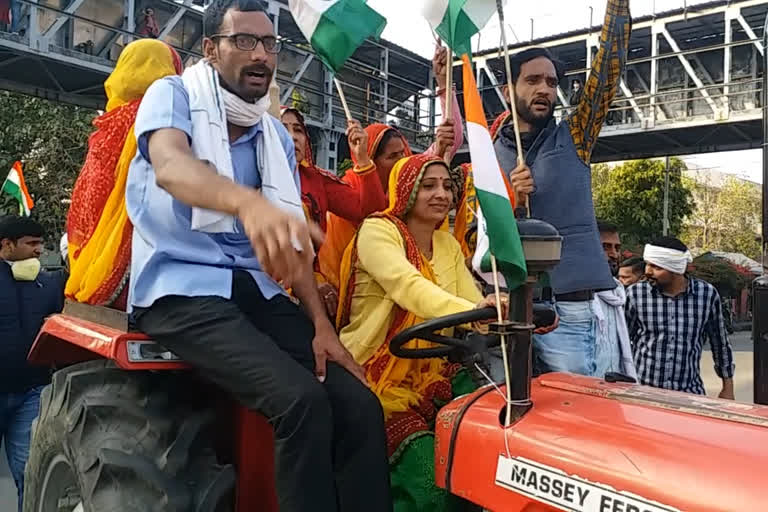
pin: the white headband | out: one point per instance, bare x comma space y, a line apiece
669, 259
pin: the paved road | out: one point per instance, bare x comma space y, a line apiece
743, 377
742, 346
7, 487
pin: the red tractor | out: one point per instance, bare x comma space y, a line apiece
126, 426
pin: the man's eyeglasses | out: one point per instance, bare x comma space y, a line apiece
249, 42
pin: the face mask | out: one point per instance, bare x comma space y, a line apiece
25, 270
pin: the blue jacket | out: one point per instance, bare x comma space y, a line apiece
563, 197
24, 305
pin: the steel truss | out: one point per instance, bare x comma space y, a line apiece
68, 47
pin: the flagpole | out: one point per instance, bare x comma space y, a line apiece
503, 340
448, 84
448, 93
512, 100
342, 98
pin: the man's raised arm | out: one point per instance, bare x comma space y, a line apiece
600, 89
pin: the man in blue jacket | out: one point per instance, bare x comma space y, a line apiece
27, 297
556, 175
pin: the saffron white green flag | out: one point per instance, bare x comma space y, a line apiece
456, 21
15, 187
496, 225
336, 28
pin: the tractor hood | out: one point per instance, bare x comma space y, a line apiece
589, 445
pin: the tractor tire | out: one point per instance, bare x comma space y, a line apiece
109, 440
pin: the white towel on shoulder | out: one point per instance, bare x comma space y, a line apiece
612, 302
211, 106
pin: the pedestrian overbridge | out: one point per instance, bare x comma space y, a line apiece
692, 83
65, 50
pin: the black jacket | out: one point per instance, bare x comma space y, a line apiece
24, 305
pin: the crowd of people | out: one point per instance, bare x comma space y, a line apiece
208, 221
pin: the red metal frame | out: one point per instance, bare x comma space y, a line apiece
66, 340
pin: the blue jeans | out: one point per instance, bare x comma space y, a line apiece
17, 411
15, 15
571, 347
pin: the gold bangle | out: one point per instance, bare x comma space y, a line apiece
360, 170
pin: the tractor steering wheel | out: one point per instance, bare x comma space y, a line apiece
426, 331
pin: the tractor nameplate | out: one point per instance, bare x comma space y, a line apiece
567, 492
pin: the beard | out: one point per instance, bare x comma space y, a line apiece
537, 121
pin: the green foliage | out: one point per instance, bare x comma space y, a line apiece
300, 102
723, 275
631, 195
51, 140
726, 219
343, 167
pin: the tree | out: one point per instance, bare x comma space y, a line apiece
300, 102
738, 211
699, 230
729, 279
51, 140
343, 167
631, 195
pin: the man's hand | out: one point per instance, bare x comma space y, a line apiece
439, 63
327, 347
727, 391
444, 138
521, 180
548, 328
358, 143
330, 298
272, 233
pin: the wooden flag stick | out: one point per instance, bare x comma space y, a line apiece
512, 99
504, 354
449, 84
342, 98
448, 94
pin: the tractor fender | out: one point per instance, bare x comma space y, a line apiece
65, 339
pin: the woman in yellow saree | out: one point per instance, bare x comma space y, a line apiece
400, 270
98, 229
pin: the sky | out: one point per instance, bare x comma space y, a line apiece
406, 27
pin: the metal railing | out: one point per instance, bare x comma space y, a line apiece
367, 103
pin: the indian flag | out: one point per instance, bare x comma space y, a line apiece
456, 21
15, 187
496, 226
336, 28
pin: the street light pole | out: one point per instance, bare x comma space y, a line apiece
665, 227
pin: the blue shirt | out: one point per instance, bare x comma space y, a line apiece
169, 258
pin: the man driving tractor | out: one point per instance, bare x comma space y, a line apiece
219, 234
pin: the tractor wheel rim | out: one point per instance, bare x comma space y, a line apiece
59, 491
